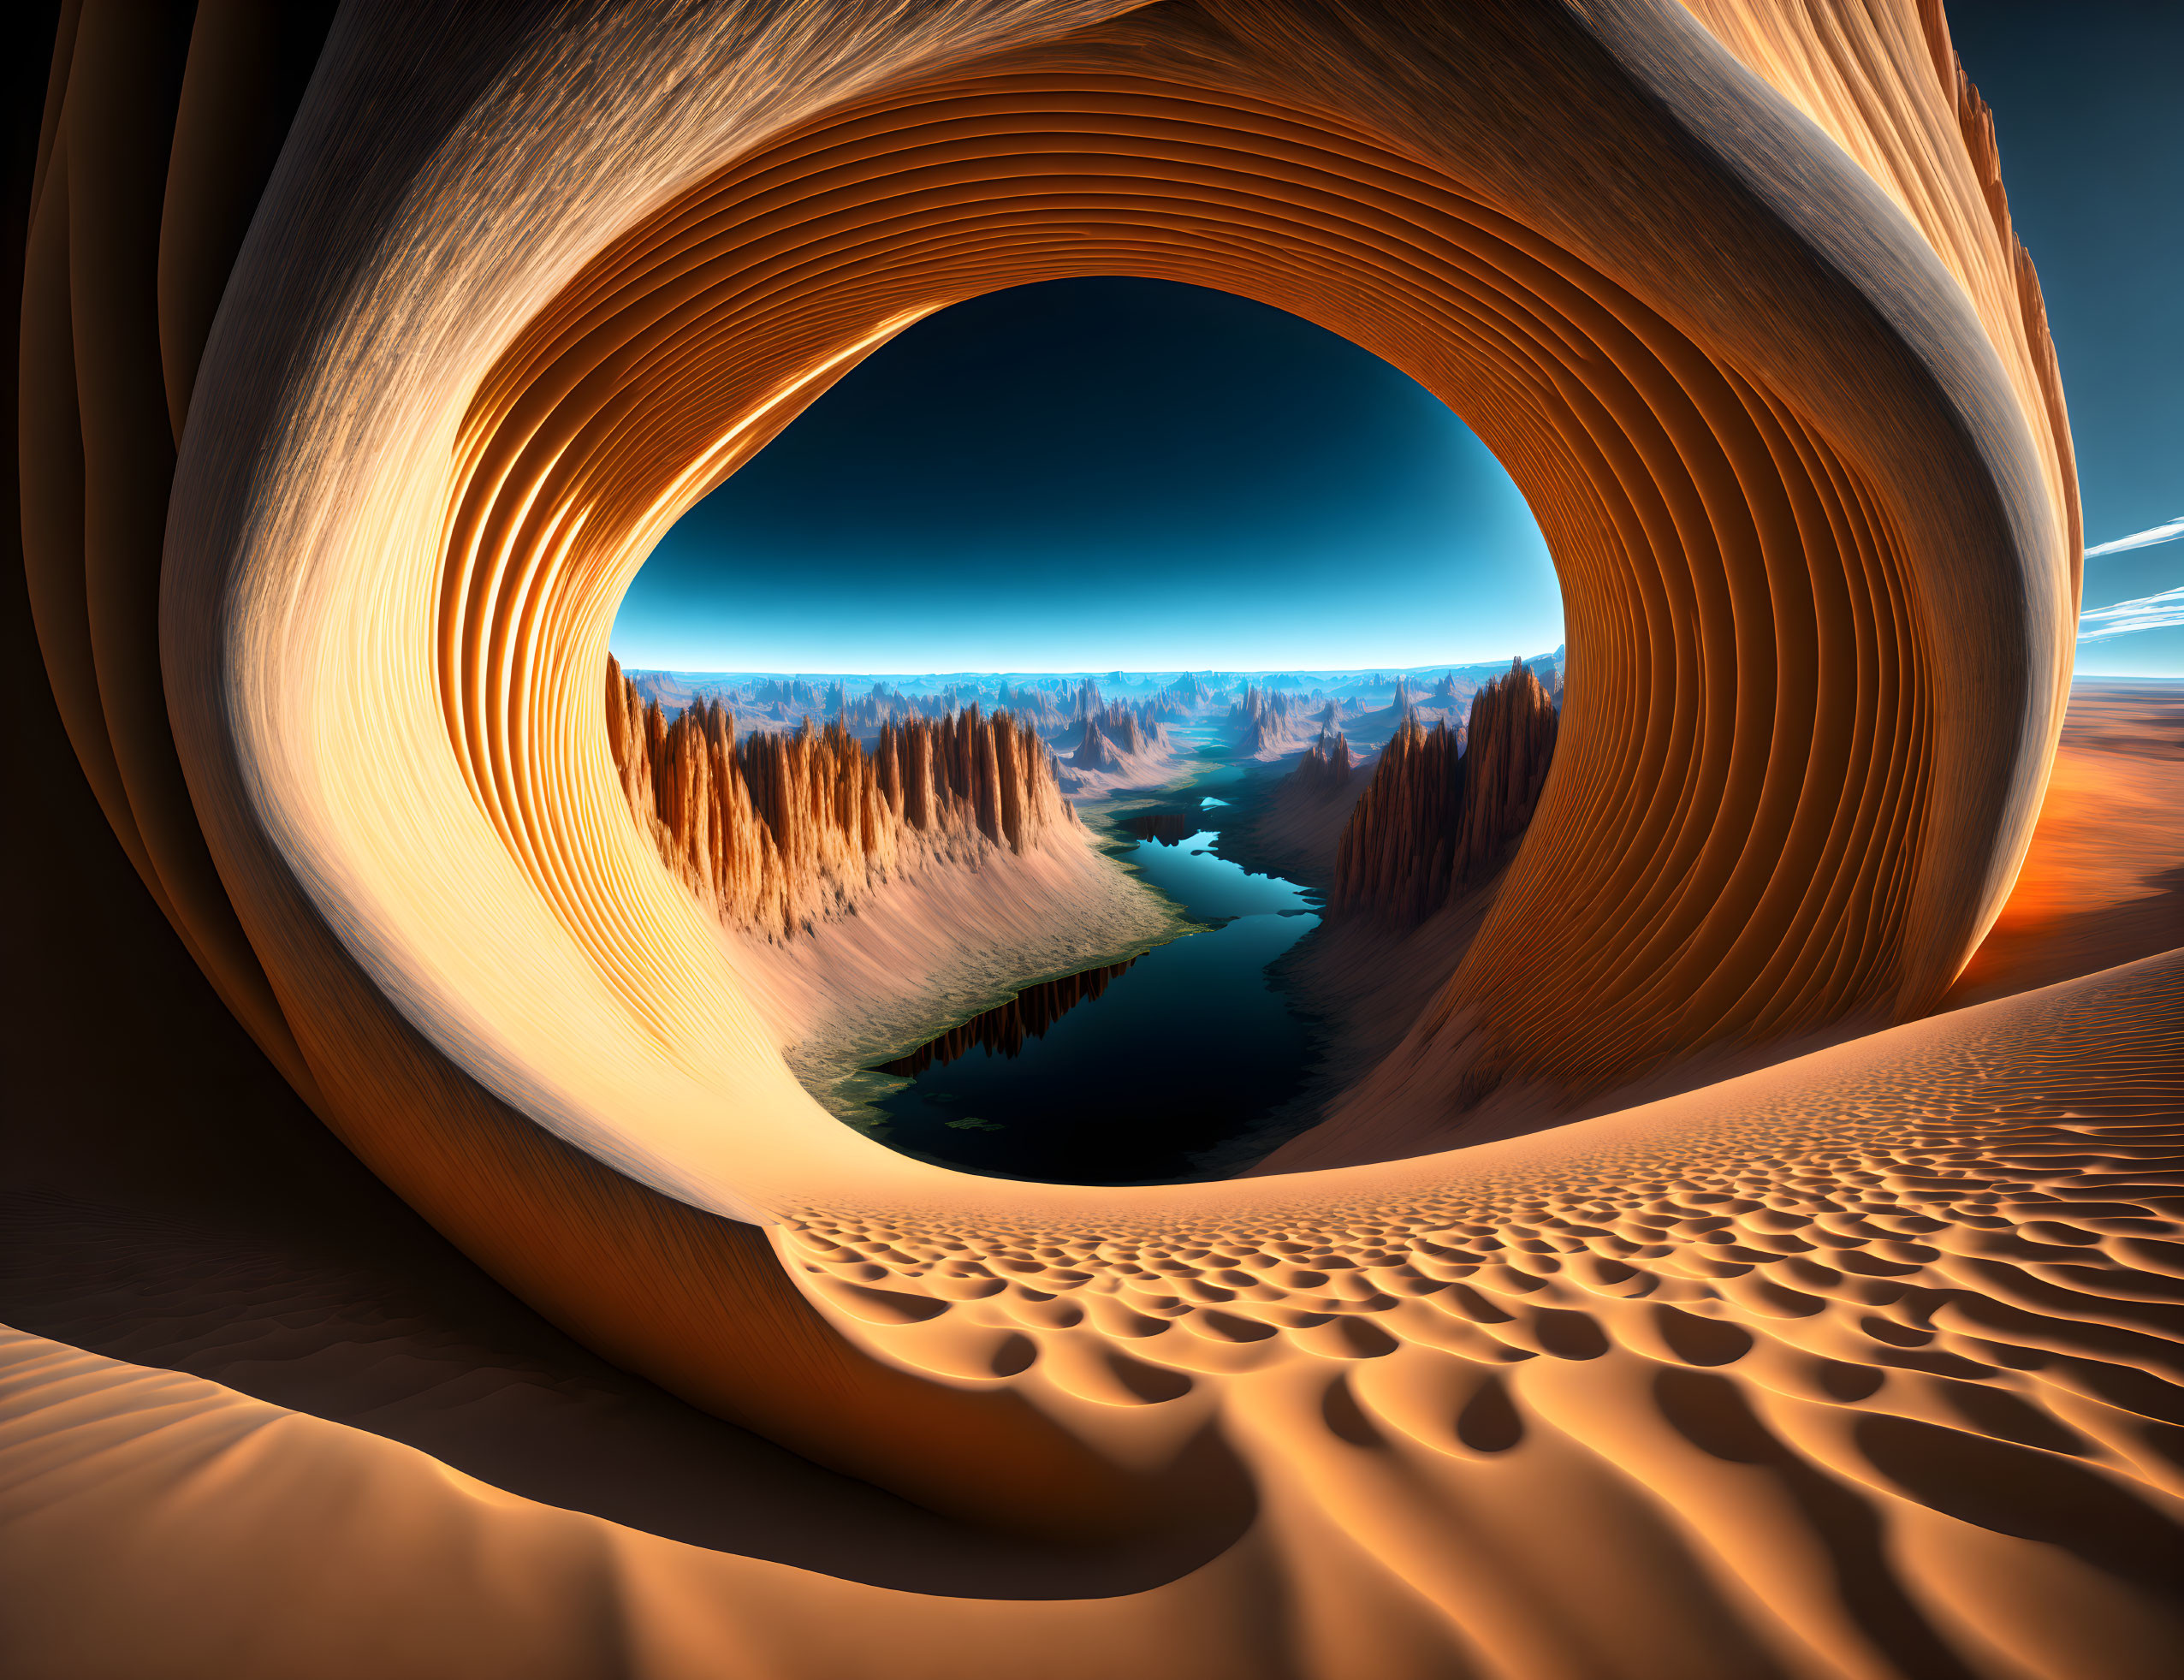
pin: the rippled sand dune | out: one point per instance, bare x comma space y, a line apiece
1863, 1364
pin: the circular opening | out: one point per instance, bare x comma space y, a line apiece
1212, 571
1739, 838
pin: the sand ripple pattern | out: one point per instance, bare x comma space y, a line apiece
1720, 1389
1797, 1333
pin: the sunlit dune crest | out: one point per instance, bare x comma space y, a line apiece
1850, 1365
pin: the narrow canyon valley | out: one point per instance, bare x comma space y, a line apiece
1131, 991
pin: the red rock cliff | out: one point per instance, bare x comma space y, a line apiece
1444, 806
1508, 745
776, 830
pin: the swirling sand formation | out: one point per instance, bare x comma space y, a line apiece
1861, 1364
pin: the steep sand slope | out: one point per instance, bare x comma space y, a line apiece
1868, 1364
954, 934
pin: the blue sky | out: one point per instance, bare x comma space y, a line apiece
1099, 474
1104, 473
2091, 130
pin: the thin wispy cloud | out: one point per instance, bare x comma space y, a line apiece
2169, 531
2148, 612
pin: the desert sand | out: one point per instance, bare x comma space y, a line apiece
2104, 881
1858, 1364
1863, 1364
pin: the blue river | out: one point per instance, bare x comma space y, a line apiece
1127, 1074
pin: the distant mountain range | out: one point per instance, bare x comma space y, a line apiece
821, 693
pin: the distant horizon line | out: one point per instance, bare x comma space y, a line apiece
1556, 653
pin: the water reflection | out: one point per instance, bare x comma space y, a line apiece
1165, 827
1004, 1031
1210, 888
1124, 1074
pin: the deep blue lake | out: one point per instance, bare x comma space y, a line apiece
1122, 1075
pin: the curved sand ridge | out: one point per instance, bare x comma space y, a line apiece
1785, 414
1866, 1364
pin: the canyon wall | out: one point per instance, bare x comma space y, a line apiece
776, 830
1443, 805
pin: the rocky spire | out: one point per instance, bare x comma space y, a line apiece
1509, 743
1444, 806
1326, 765
1396, 851
776, 830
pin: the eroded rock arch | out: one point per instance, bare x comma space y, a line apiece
1730, 291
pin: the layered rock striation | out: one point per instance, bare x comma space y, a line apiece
1444, 804
775, 831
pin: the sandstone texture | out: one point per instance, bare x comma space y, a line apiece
778, 830
335, 471
1445, 805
